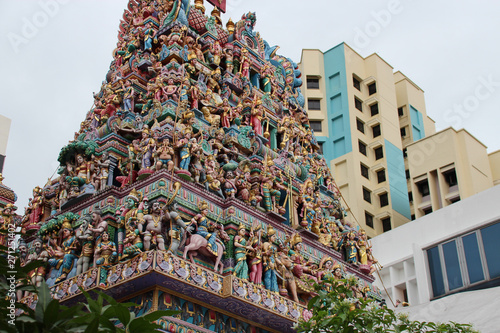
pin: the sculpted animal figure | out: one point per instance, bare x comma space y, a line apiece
203, 240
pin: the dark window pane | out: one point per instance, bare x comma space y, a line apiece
358, 104
451, 178
313, 104
423, 186
490, 236
384, 200
369, 219
379, 153
374, 109
405, 152
312, 83
376, 130
403, 131
315, 125
407, 173
473, 259
381, 176
386, 224
360, 125
410, 196
400, 111
452, 265
372, 88
362, 148
364, 171
367, 195
356, 83
435, 271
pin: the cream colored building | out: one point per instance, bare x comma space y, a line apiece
495, 166
4, 137
364, 114
447, 167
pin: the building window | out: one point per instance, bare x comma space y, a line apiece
362, 148
466, 261
405, 152
372, 88
364, 171
358, 104
313, 104
400, 111
312, 83
376, 130
407, 173
374, 109
423, 188
356, 83
412, 217
386, 224
367, 195
360, 125
403, 131
369, 219
427, 211
451, 177
315, 125
320, 144
381, 176
384, 199
410, 196
379, 153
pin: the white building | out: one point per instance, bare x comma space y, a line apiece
452, 250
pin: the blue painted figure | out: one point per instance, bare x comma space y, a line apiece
269, 257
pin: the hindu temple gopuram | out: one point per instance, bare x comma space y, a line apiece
195, 182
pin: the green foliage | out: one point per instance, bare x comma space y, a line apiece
68, 152
337, 309
50, 316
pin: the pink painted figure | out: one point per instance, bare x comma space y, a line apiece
256, 117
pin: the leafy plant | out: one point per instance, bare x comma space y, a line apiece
339, 308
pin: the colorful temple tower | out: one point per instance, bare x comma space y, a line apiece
195, 182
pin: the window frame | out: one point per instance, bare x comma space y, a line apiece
316, 122
385, 203
370, 90
309, 100
356, 82
371, 219
360, 125
367, 194
361, 143
366, 169
462, 260
380, 172
377, 149
356, 102
376, 131
372, 108
310, 80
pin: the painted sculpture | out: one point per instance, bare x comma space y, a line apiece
198, 145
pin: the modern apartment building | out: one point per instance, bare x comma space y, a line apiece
364, 115
447, 167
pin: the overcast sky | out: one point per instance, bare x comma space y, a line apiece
54, 56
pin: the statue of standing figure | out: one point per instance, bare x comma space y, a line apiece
242, 248
85, 237
152, 227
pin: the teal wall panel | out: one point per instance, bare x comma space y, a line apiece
397, 179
